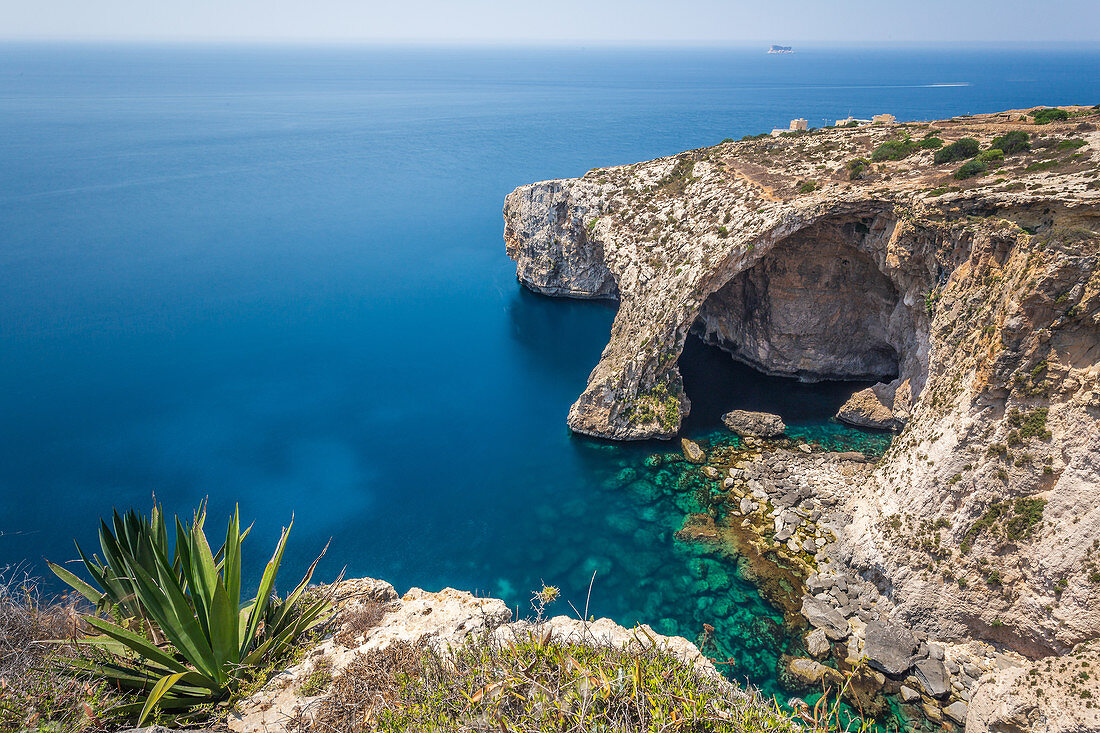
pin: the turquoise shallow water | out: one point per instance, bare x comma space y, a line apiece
275, 276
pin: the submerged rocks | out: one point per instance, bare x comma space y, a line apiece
889, 648
692, 451
754, 424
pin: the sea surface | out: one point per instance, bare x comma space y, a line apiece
275, 276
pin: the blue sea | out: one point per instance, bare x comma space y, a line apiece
275, 276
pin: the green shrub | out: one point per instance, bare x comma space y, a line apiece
961, 149
857, 167
894, 150
808, 187
1012, 142
182, 637
1043, 165
993, 157
971, 168
930, 143
1072, 144
1048, 115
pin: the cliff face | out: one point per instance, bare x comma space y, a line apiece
976, 302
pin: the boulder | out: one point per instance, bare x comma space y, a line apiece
933, 677
956, 711
823, 616
864, 409
908, 694
811, 672
817, 643
749, 424
692, 451
889, 649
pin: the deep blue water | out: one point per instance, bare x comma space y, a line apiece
276, 276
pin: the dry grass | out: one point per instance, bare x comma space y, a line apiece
35, 694
534, 685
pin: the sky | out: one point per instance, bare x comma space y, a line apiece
585, 21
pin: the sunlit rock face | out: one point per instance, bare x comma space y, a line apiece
975, 303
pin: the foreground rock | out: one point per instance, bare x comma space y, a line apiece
371, 616
754, 424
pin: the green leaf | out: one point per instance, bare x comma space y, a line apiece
76, 583
164, 685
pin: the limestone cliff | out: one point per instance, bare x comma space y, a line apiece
974, 301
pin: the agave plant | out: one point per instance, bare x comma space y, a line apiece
180, 634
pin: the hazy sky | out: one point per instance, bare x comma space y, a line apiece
506, 21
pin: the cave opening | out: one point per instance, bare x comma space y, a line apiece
813, 320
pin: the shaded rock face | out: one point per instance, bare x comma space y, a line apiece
815, 307
754, 424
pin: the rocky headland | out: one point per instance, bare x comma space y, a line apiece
964, 564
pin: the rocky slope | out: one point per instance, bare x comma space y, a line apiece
974, 301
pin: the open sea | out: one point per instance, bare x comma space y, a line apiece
275, 276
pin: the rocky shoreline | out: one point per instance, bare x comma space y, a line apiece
973, 300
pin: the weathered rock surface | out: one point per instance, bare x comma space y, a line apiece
1054, 695
444, 619
975, 304
754, 424
823, 616
864, 409
889, 648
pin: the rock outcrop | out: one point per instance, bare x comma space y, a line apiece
974, 303
370, 616
754, 424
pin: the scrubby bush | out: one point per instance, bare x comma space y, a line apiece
992, 157
970, 168
894, 150
1048, 115
857, 167
1071, 144
808, 187
931, 143
1012, 142
961, 149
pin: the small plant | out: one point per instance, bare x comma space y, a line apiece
961, 149
969, 169
1071, 144
930, 143
857, 168
808, 187
895, 150
723, 232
